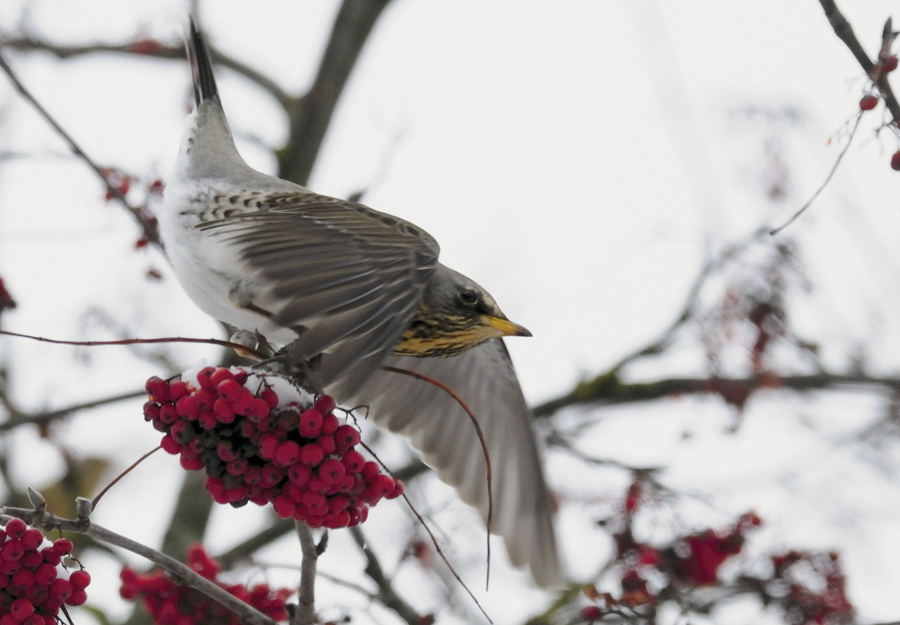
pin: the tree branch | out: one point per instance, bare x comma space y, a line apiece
153, 49
386, 594
17, 418
845, 33
306, 610
607, 389
181, 572
310, 118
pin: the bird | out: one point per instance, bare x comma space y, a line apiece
353, 290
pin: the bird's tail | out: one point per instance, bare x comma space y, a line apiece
201, 66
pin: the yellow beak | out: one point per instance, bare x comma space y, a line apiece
504, 326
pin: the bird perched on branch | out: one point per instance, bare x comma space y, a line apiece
352, 289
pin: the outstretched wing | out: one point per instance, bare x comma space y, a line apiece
346, 278
439, 428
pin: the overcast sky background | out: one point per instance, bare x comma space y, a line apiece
578, 159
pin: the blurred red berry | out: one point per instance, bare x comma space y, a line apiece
868, 102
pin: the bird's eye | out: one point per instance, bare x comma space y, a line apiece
468, 297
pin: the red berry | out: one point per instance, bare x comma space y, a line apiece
383, 485
590, 613
177, 390
45, 574
63, 545
310, 423
32, 538
204, 378
399, 489
229, 388
324, 404
311, 455
332, 471
329, 423
151, 411
268, 444
269, 396
243, 405
78, 597
284, 507
299, 474
80, 579
220, 375
287, 453
327, 444
15, 528
868, 102
259, 409
158, 389
346, 436
21, 609
170, 445
188, 407
353, 461
890, 64
23, 578
12, 550
895, 161
370, 471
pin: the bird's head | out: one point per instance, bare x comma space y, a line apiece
456, 314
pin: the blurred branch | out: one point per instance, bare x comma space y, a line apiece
310, 118
873, 69
147, 225
17, 417
608, 389
386, 593
149, 48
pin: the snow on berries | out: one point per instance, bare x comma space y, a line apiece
33, 582
261, 439
168, 602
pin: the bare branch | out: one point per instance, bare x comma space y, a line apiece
309, 120
147, 225
152, 49
18, 418
386, 593
181, 572
306, 611
845, 33
607, 389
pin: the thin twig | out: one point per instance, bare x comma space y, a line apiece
96, 499
386, 593
434, 540
827, 179
172, 339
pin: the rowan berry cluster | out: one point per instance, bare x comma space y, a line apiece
172, 604
33, 582
261, 440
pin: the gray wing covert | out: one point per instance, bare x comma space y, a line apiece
347, 277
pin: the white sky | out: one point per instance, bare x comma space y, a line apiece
576, 158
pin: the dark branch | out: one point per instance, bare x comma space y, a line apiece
151, 49
608, 389
310, 119
18, 418
386, 594
873, 70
